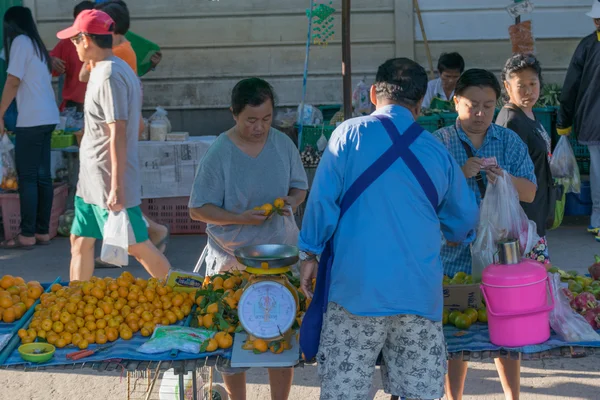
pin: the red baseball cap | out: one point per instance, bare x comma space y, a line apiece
94, 22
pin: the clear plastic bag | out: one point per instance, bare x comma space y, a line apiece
167, 338
501, 217
569, 325
8, 170
115, 244
361, 101
563, 166
311, 115
161, 115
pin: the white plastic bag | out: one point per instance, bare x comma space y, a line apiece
361, 101
8, 171
161, 115
311, 115
501, 217
569, 325
563, 166
115, 245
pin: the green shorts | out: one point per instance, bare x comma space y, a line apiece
90, 219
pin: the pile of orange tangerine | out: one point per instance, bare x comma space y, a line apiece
16, 297
104, 310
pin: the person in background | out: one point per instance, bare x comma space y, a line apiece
470, 140
66, 62
109, 166
29, 79
393, 222
118, 11
580, 105
450, 66
249, 165
522, 77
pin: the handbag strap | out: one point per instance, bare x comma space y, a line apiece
478, 177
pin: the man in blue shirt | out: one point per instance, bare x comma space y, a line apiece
385, 289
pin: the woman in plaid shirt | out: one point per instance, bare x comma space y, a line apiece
472, 139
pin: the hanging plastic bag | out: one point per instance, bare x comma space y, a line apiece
311, 115
563, 166
569, 325
8, 170
501, 217
160, 125
361, 101
115, 245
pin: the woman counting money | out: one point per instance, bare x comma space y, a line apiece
485, 151
249, 165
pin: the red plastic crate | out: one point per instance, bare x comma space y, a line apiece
11, 211
173, 211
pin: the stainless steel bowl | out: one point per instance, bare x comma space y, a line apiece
276, 255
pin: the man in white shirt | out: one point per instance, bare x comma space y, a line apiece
450, 67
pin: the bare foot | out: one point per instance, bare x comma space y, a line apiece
159, 235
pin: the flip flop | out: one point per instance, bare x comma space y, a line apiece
18, 245
164, 241
98, 263
42, 242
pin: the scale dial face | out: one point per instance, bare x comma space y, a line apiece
267, 309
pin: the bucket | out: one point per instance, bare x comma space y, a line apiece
519, 299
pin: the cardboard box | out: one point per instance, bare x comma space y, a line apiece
184, 281
461, 297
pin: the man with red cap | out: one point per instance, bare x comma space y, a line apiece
108, 173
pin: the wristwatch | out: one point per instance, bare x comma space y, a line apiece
304, 256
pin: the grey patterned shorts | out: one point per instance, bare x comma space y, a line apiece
414, 355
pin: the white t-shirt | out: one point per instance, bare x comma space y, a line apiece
35, 98
434, 89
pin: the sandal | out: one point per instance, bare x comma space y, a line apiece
17, 244
98, 263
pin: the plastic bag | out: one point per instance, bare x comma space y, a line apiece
286, 118
167, 338
563, 166
311, 116
8, 170
115, 244
360, 99
501, 217
569, 325
160, 115
65, 222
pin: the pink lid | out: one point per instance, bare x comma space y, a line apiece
527, 271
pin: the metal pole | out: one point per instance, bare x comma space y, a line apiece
346, 59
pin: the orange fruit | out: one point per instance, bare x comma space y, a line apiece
147, 316
212, 345
80, 322
97, 292
199, 300
134, 326
101, 324
6, 302
186, 309
112, 334
260, 345
101, 338
22, 333
65, 317
9, 315
35, 292
277, 347
212, 308
7, 281
60, 343
67, 336
90, 338
165, 321
47, 325
126, 334
100, 284
71, 327
89, 309
141, 283
171, 316
19, 281
55, 288
178, 313
238, 294
15, 290
88, 318
207, 321
229, 283
82, 344
52, 337
98, 313
58, 327
218, 281
145, 332
91, 325
177, 300
225, 340
161, 290
76, 338
267, 208
41, 334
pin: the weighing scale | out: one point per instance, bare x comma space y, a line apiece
268, 307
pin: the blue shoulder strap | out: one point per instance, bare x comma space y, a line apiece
399, 149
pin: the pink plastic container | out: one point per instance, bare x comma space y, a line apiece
518, 298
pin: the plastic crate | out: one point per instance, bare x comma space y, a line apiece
448, 119
174, 212
11, 211
62, 141
546, 117
430, 123
312, 133
579, 204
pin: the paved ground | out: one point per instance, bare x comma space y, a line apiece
570, 247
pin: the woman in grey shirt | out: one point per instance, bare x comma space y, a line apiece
249, 165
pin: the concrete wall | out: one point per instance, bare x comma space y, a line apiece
209, 45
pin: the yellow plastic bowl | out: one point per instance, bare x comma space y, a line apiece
36, 352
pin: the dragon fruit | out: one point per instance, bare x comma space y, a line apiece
595, 269
569, 294
584, 301
592, 316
